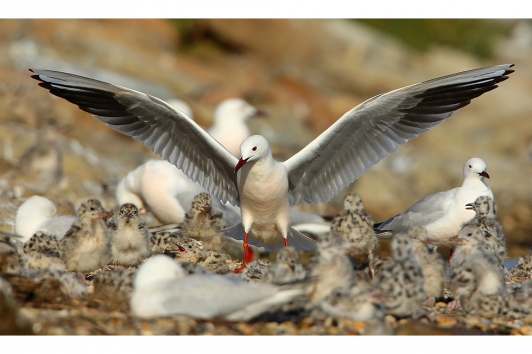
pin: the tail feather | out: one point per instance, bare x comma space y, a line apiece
255, 309
299, 241
295, 239
382, 233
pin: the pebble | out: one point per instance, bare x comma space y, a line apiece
526, 330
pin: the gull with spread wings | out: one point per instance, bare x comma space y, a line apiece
263, 187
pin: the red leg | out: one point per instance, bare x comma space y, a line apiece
248, 254
450, 255
285, 242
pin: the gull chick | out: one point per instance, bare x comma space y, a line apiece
202, 224
190, 250
523, 268
495, 242
431, 263
130, 239
401, 281
519, 302
355, 225
40, 242
442, 214
162, 242
330, 267
358, 302
263, 187
87, 245
475, 275
286, 268
39, 214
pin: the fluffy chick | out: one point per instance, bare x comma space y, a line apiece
330, 267
523, 268
87, 245
130, 239
355, 225
286, 268
495, 241
431, 263
401, 281
357, 302
202, 224
475, 274
190, 250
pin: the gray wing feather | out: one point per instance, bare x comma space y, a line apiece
375, 128
422, 213
209, 296
167, 131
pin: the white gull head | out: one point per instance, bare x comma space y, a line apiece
475, 168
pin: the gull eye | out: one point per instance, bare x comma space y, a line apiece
254, 148
470, 166
93, 208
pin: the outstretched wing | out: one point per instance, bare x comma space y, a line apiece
370, 131
167, 131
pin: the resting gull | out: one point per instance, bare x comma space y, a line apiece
442, 214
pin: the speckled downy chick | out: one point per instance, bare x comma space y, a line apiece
355, 225
518, 302
130, 239
401, 281
330, 267
431, 263
475, 274
286, 268
11, 259
495, 241
190, 250
523, 268
114, 287
358, 302
162, 242
202, 224
87, 245
42, 243
256, 271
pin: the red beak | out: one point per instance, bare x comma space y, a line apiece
484, 174
240, 163
105, 214
180, 249
455, 239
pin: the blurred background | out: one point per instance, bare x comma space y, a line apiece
304, 73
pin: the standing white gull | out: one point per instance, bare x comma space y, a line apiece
442, 214
265, 188
167, 192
